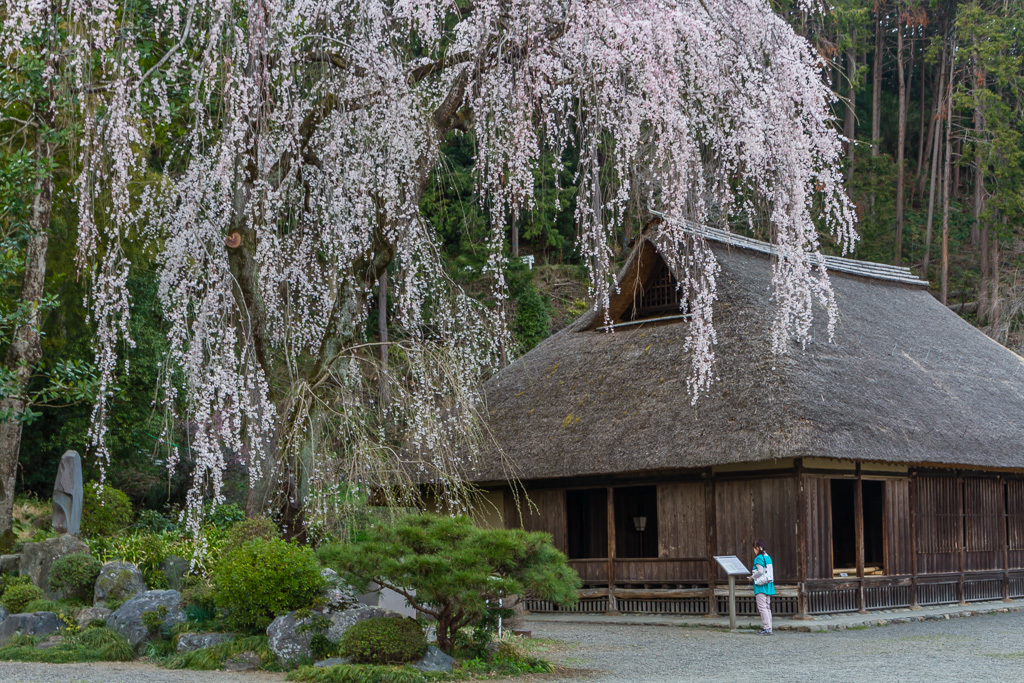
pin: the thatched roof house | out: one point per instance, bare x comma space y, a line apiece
909, 417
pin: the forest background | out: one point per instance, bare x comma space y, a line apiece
931, 94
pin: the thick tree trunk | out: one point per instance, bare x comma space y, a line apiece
25, 350
900, 142
876, 89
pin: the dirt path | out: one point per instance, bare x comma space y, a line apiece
982, 648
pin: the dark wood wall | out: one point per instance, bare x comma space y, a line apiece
682, 519
934, 521
898, 545
765, 509
818, 506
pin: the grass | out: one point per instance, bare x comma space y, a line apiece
28, 509
90, 645
363, 673
212, 658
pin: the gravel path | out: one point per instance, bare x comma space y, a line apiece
982, 648
111, 672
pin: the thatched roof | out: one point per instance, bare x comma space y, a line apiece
906, 381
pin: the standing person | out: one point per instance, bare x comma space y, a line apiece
764, 586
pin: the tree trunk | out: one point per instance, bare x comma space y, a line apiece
937, 95
919, 168
940, 106
382, 328
876, 90
25, 350
850, 117
946, 189
901, 140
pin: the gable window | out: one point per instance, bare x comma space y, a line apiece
658, 296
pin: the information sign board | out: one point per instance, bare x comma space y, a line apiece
731, 564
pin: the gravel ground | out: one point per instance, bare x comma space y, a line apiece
982, 648
132, 672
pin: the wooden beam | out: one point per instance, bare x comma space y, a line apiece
858, 523
711, 538
912, 497
612, 606
1005, 538
802, 529
963, 540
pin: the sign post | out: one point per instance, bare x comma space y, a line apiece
733, 567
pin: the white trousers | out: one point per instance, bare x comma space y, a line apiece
765, 608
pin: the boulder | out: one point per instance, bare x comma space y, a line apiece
91, 614
3, 613
118, 581
434, 660
189, 642
67, 495
36, 559
291, 642
175, 569
337, 594
245, 661
29, 624
10, 564
128, 618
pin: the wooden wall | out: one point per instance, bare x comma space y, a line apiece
549, 514
898, 547
939, 521
751, 509
1015, 521
984, 517
819, 527
682, 520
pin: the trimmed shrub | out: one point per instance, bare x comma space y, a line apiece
17, 597
251, 529
74, 576
383, 640
456, 570
106, 512
256, 581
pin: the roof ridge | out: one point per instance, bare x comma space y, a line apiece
868, 269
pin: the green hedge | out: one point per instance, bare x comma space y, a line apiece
259, 580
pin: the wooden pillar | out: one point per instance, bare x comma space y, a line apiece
612, 604
912, 497
858, 523
711, 538
961, 597
1006, 539
803, 523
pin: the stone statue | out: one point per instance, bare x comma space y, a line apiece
67, 495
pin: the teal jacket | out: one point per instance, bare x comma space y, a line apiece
765, 560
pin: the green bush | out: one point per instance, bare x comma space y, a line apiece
105, 512
17, 597
256, 581
251, 529
74, 576
383, 640
451, 570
